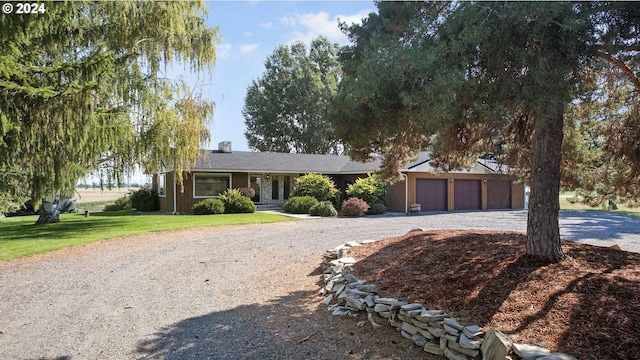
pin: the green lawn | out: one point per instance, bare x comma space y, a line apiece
565, 204
21, 238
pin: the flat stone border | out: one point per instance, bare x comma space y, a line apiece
431, 329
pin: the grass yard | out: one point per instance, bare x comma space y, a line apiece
565, 204
21, 238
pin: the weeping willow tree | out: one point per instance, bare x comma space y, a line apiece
82, 90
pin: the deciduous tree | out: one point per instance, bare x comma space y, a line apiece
286, 108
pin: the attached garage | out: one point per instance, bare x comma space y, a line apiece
499, 194
467, 195
431, 194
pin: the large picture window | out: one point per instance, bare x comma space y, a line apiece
210, 185
162, 185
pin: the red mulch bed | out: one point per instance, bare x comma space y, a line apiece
587, 306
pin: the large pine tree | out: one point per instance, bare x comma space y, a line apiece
82, 89
464, 79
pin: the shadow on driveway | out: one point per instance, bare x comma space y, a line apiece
599, 227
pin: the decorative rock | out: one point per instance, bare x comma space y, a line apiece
414, 306
385, 314
529, 352
352, 244
432, 348
373, 323
465, 342
406, 335
340, 311
327, 301
426, 334
443, 343
381, 307
409, 328
361, 323
431, 315
472, 331
369, 301
453, 323
386, 301
496, 345
339, 288
437, 332
419, 324
556, 356
419, 340
450, 337
455, 346
454, 355
451, 330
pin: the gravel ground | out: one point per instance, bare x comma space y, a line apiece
238, 292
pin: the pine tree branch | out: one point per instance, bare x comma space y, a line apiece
626, 69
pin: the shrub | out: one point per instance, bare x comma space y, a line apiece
300, 204
235, 202
145, 199
208, 207
248, 192
370, 189
354, 207
376, 209
323, 208
123, 203
317, 186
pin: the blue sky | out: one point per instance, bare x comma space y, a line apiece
249, 32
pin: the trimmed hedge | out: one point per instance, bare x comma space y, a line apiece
208, 207
145, 199
317, 186
300, 204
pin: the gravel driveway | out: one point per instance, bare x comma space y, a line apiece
238, 292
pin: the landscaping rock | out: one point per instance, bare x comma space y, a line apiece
496, 345
468, 343
529, 352
435, 349
454, 355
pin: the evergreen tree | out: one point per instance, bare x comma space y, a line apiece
286, 109
464, 79
82, 89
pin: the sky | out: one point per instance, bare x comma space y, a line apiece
251, 31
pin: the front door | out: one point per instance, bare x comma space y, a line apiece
254, 183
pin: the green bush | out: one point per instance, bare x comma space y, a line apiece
145, 199
354, 207
317, 186
235, 202
370, 189
376, 209
123, 203
300, 204
323, 208
208, 206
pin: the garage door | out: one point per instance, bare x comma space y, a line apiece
499, 194
467, 195
431, 194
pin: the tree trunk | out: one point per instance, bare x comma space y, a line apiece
543, 231
49, 213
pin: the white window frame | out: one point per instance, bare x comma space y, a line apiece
162, 184
228, 175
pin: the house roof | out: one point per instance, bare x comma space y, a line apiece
249, 161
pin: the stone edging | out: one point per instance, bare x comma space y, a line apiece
433, 330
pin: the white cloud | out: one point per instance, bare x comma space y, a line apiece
311, 25
223, 51
268, 25
247, 48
